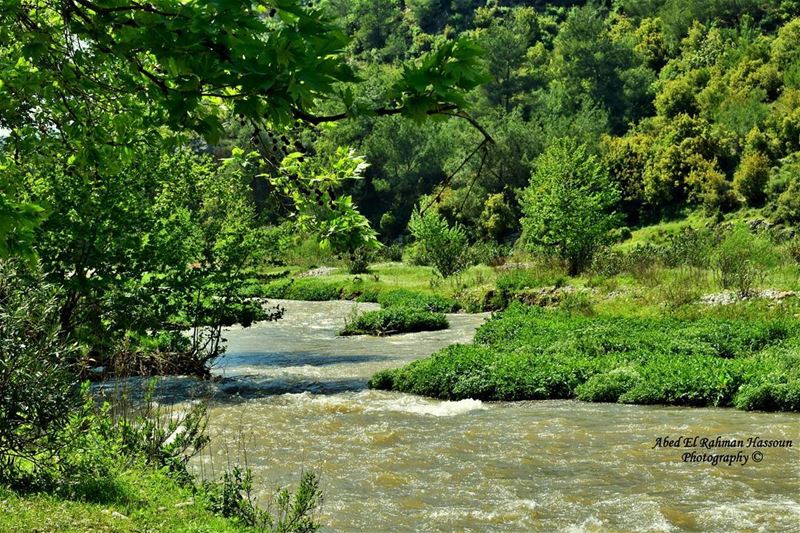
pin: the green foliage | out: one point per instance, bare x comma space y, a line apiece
438, 244
784, 187
528, 353
308, 289
393, 252
608, 386
770, 397
358, 260
311, 183
577, 303
395, 319
233, 497
741, 260
497, 217
38, 388
488, 253
568, 181
751, 178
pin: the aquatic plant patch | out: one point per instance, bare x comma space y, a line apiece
528, 353
396, 319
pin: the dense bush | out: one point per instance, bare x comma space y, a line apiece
393, 252
530, 353
358, 260
38, 385
608, 386
751, 178
397, 319
488, 253
234, 497
437, 244
568, 205
770, 396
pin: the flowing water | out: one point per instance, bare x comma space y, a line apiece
293, 395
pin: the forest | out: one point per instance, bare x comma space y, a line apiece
617, 182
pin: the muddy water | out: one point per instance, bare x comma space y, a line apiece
293, 396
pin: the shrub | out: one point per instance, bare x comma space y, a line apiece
306, 289
682, 289
437, 244
694, 381
497, 218
741, 259
609, 386
608, 262
689, 247
769, 397
577, 303
393, 252
396, 319
358, 260
788, 204
38, 387
751, 178
233, 497
568, 180
488, 253
512, 282
644, 262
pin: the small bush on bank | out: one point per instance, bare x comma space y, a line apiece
741, 260
357, 261
488, 253
133, 457
684, 288
578, 303
393, 252
609, 386
309, 289
396, 319
437, 244
770, 397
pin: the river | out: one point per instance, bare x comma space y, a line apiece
292, 396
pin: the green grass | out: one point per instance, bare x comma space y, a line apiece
384, 282
418, 300
527, 353
657, 233
147, 499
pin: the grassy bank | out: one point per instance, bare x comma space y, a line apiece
384, 282
125, 468
528, 353
138, 499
